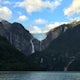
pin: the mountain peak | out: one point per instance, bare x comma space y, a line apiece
75, 22
4, 21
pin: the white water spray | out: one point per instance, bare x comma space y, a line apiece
41, 61
65, 69
32, 46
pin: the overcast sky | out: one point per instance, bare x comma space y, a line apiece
40, 15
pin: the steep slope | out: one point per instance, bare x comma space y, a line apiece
63, 53
13, 60
10, 57
18, 36
56, 32
51, 35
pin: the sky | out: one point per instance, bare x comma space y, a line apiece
40, 16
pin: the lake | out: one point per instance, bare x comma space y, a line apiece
24, 75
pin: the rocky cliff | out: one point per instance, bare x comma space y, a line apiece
56, 32
60, 51
63, 52
18, 36
10, 58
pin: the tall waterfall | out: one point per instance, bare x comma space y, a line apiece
65, 69
32, 46
41, 61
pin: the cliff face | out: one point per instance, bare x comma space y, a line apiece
37, 45
60, 51
56, 32
52, 35
10, 58
63, 52
17, 36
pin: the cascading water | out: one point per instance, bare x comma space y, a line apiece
41, 61
65, 69
32, 45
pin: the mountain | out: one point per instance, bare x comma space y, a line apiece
62, 52
16, 44
38, 41
54, 33
18, 36
12, 59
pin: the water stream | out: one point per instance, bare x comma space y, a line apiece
32, 46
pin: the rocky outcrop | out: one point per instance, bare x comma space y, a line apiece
51, 35
36, 44
63, 52
10, 58
60, 51
17, 35
56, 32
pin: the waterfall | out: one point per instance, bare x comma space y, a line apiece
41, 61
65, 69
32, 46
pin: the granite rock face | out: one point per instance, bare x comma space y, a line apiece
17, 35
56, 32
60, 51
37, 45
51, 35
63, 52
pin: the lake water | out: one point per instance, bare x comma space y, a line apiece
39, 75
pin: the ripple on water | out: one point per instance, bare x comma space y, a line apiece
39, 75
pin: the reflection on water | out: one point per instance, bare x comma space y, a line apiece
39, 76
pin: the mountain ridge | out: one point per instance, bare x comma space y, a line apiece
58, 52
18, 36
63, 52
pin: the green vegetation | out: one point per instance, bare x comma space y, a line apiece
61, 52
10, 57
13, 60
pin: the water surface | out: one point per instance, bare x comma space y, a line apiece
9, 75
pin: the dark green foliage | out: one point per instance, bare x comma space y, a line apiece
13, 60
62, 51
10, 57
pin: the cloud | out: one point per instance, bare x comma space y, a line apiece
73, 9
40, 21
38, 5
5, 13
34, 29
22, 18
52, 26
6, 2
